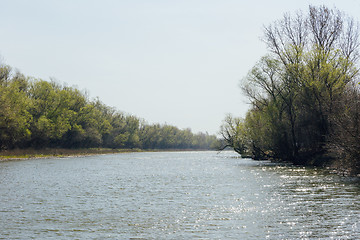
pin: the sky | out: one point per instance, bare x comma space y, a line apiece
168, 62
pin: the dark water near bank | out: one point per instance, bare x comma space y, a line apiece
179, 195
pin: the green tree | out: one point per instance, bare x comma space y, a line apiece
295, 88
38, 113
15, 118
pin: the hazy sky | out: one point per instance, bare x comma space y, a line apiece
176, 62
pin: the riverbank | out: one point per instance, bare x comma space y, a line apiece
18, 154
23, 154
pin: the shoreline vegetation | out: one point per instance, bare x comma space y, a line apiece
19, 154
37, 114
304, 94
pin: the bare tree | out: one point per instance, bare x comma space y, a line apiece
232, 132
344, 140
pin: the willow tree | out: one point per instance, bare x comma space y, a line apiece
312, 58
234, 134
15, 118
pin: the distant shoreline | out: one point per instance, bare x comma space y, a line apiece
26, 154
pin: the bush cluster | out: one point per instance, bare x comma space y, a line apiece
40, 114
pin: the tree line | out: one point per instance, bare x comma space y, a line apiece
304, 94
40, 114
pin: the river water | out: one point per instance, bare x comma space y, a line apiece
174, 195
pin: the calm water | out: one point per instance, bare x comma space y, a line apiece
182, 195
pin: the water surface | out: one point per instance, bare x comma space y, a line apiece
174, 195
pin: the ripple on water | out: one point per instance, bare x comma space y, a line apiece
180, 195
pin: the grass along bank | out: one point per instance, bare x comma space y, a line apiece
57, 152
18, 154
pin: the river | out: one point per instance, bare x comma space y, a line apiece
174, 195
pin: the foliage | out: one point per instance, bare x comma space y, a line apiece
15, 118
304, 93
40, 114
